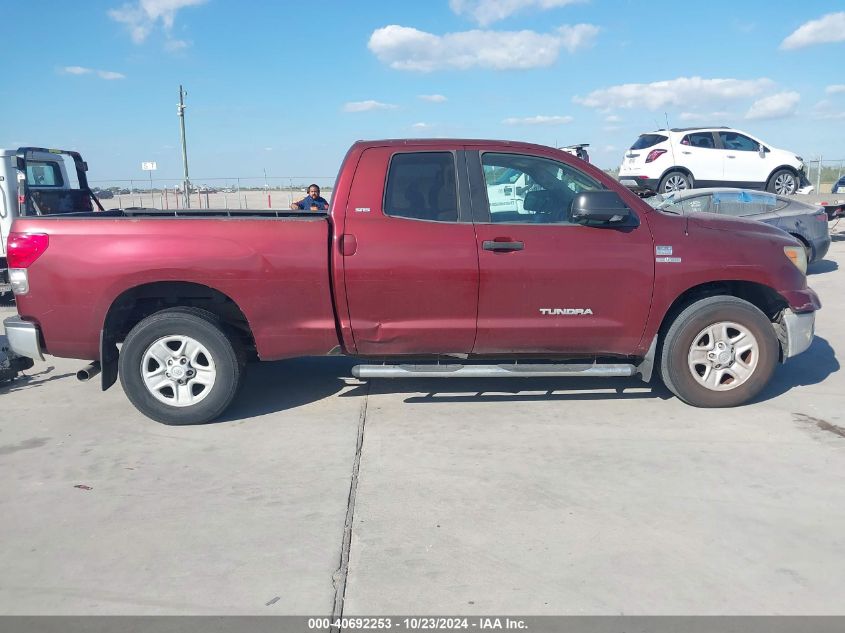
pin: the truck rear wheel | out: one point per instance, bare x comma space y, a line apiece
179, 367
719, 352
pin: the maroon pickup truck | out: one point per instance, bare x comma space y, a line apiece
437, 258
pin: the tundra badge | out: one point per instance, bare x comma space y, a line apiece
566, 311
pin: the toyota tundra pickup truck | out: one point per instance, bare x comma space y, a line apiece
414, 271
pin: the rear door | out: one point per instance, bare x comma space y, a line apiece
698, 153
410, 262
548, 285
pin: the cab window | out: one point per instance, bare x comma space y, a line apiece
422, 186
43, 174
531, 190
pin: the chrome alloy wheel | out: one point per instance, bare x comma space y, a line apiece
675, 182
785, 184
178, 371
723, 356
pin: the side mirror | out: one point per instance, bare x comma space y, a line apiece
20, 163
602, 208
762, 149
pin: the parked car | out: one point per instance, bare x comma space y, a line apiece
806, 222
838, 186
104, 194
412, 266
687, 158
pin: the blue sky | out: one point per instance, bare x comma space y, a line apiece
287, 86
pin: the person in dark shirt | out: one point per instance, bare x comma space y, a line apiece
312, 202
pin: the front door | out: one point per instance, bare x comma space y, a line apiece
743, 164
410, 264
700, 155
548, 285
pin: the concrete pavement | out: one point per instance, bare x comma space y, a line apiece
472, 497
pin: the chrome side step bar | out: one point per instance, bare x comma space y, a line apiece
511, 370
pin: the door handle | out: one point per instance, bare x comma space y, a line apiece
686, 152
729, 156
501, 245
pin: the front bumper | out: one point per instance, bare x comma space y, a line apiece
24, 338
795, 331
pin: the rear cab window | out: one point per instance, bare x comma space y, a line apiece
43, 174
422, 186
648, 140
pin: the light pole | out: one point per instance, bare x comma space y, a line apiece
186, 185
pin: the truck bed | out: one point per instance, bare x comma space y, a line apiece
273, 265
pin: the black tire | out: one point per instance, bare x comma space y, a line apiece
783, 175
677, 344
683, 180
206, 329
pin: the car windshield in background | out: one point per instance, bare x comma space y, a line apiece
648, 140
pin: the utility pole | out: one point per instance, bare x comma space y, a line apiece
186, 185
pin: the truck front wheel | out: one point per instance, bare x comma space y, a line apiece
718, 352
179, 367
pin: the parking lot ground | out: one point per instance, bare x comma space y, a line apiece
529, 497
562, 497
220, 519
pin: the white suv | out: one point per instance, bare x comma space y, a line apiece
683, 158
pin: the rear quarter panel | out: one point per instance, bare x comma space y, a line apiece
274, 269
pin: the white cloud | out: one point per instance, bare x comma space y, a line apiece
538, 120
432, 98
612, 118
835, 89
143, 16
486, 12
109, 75
674, 92
102, 74
365, 106
777, 106
174, 46
827, 110
421, 126
268, 149
827, 29
406, 48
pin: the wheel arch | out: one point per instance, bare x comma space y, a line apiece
679, 168
134, 304
777, 169
763, 297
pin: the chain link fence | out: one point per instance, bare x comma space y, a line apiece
823, 173
233, 192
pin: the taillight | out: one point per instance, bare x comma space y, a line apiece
23, 249
654, 155
821, 216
